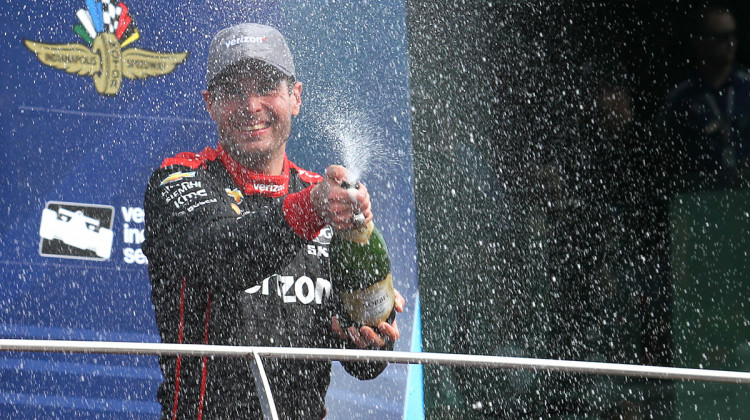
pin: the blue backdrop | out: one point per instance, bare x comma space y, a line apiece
65, 145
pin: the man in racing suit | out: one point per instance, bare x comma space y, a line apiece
237, 240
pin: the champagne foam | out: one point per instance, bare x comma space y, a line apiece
356, 139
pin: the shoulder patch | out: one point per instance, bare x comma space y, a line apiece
176, 176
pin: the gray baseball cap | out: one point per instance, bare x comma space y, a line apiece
248, 41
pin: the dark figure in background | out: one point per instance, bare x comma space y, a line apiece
702, 143
229, 234
705, 126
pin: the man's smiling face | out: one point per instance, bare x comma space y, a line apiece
253, 112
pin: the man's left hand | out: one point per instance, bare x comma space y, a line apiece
366, 337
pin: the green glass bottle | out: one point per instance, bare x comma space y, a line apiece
361, 274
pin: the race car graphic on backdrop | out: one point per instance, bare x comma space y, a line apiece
107, 28
80, 231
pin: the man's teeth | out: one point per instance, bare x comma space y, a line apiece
254, 127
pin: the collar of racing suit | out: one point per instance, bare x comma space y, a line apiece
252, 182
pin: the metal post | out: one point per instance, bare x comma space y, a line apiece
263, 389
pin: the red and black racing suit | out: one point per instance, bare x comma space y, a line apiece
239, 258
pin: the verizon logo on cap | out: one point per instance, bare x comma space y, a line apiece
244, 40
248, 41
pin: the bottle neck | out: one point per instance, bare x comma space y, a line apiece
359, 235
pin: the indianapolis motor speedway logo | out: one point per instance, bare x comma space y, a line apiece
108, 27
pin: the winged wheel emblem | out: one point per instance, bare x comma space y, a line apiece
108, 28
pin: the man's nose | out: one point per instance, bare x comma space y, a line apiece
254, 103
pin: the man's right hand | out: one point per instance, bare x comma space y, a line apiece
336, 205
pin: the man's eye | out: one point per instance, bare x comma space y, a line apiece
229, 92
266, 90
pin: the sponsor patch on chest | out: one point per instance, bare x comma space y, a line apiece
302, 289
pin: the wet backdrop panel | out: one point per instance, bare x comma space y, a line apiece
78, 149
709, 311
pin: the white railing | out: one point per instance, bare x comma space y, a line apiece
465, 360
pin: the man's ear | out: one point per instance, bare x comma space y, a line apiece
296, 98
209, 101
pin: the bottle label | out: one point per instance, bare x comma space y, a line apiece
372, 305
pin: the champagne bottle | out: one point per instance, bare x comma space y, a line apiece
361, 271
